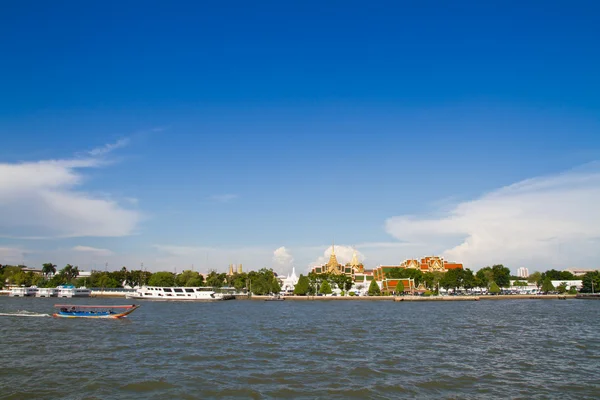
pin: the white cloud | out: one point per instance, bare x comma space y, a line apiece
11, 255
282, 258
40, 200
93, 250
223, 198
107, 148
551, 221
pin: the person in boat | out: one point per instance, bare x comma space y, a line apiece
73, 309
63, 309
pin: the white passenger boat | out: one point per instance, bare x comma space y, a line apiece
22, 291
47, 292
72, 291
178, 293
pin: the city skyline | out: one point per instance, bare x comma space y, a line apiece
258, 134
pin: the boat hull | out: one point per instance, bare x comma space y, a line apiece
97, 316
178, 294
133, 297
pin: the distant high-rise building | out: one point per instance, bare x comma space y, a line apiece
523, 272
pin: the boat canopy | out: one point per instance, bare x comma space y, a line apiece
107, 306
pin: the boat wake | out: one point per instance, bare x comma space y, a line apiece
24, 314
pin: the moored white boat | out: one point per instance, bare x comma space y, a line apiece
22, 291
47, 292
72, 291
178, 293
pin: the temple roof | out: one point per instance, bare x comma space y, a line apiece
354, 261
333, 262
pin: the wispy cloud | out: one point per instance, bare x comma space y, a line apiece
94, 250
40, 199
109, 147
223, 198
11, 255
546, 221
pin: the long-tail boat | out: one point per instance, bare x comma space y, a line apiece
76, 311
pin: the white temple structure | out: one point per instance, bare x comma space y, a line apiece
288, 283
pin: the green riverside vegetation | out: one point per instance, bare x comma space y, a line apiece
264, 281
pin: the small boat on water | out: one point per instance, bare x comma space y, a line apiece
275, 298
75, 311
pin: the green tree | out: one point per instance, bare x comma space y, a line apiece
558, 275
395, 273
501, 275
104, 280
348, 283
519, 283
325, 288
69, 272
239, 281
216, 280
452, 279
468, 279
162, 279
590, 282
189, 278
547, 285
562, 288
535, 278
302, 287
374, 289
400, 287
494, 288
275, 286
484, 276
573, 290
48, 268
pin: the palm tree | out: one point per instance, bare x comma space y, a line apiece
48, 269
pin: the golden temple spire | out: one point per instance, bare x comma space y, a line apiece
333, 265
354, 261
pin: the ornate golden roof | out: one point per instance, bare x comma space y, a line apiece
354, 262
333, 266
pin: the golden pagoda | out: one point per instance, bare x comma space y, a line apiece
333, 266
355, 264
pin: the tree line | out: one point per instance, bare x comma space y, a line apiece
493, 278
259, 282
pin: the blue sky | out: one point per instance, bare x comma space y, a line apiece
230, 132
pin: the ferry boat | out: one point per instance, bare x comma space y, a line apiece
72, 291
72, 311
22, 291
47, 292
179, 293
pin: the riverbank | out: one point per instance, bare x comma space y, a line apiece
385, 298
414, 298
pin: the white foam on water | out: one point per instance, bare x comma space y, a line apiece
24, 314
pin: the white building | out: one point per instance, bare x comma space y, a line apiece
288, 283
523, 272
577, 284
580, 271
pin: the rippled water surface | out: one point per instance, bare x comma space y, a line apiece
529, 349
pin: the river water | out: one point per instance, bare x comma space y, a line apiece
528, 349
